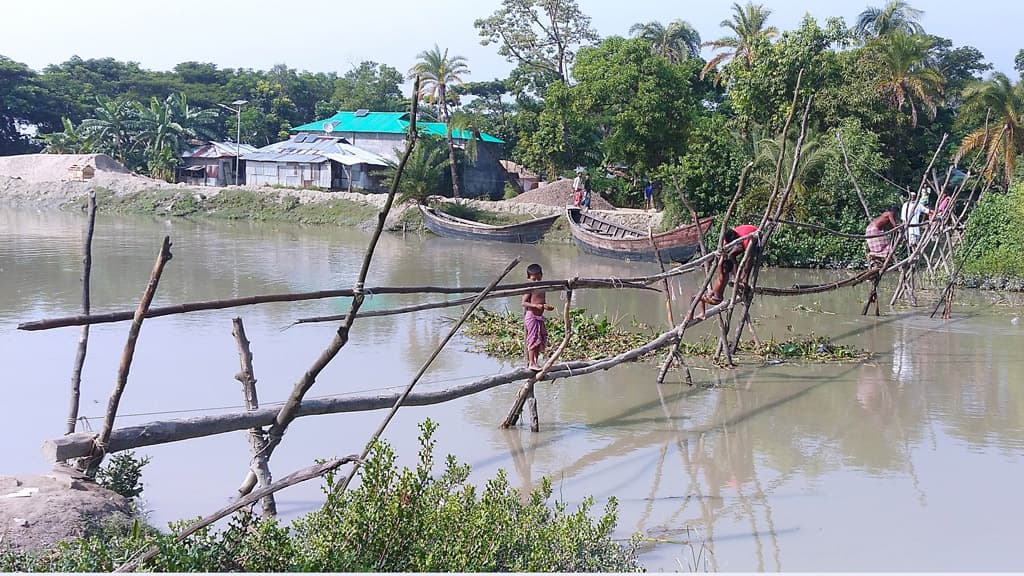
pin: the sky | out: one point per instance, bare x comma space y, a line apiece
336, 35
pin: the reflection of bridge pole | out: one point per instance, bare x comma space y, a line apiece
522, 462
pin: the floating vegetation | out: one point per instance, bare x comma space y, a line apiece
595, 336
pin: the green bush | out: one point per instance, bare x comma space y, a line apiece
993, 245
122, 473
395, 520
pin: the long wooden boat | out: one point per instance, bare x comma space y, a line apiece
449, 226
598, 236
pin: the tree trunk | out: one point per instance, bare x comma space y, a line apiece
451, 141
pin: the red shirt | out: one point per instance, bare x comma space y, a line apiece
743, 230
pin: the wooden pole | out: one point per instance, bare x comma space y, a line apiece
674, 349
92, 463
83, 338
723, 327
259, 468
423, 369
668, 303
846, 162
290, 409
80, 320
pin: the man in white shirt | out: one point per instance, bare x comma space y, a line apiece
911, 215
577, 189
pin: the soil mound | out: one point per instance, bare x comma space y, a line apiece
55, 167
36, 512
558, 193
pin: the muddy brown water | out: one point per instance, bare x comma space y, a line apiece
910, 461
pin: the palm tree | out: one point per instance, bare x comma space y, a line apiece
896, 16
676, 42
909, 76
747, 25
437, 72
1005, 101
813, 157
111, 130
422, 174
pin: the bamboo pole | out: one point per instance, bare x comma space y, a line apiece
668, 304
526, 391
723, 327
296, 477
93, 461
341, 486
846, 162
674, 350
598, 283
83, 338
291, 407
602, 284
259, 469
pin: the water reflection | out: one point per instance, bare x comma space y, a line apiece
913, 455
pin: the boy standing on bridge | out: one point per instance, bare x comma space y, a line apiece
536, 331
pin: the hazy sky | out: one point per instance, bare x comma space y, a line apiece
325, 35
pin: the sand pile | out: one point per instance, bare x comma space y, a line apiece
558, 193
55, 167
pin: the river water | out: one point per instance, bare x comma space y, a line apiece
909, 461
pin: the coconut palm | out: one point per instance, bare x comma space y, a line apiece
675, 42
896, 16
909, 76
438, 71
747, 25
1004, 100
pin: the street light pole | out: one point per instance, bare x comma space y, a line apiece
238, 131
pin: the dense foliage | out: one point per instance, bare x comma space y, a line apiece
396, 520
628, 109
994, 243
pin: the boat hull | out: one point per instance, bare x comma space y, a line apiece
529, 232
600, 237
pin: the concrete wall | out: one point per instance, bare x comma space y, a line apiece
378, 143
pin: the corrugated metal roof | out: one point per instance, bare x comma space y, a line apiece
314, 150
386, 123
217, 150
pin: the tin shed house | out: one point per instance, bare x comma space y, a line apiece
384, 133
314, 161
212, 164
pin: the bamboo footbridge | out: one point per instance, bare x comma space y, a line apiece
267, 426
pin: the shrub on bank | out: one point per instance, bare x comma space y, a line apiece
395, 520
993, 246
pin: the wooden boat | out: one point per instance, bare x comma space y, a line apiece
597, 236
449, 226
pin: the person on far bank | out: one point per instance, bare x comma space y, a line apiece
585, 203
577, 189
911, 213
649, 196
878, 244
534, 305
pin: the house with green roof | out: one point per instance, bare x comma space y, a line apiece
384, 133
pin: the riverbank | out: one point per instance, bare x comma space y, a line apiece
132, 194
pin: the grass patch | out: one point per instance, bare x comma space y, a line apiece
596, 336
467, 212
232, 204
